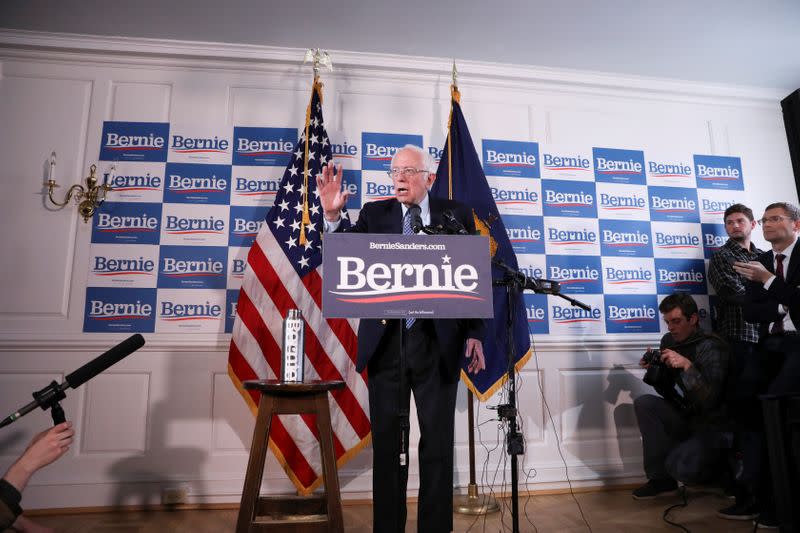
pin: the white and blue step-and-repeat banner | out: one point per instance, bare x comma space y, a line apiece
620, 228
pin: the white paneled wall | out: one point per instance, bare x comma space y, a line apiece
168, 415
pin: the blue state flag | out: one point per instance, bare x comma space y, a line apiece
460, 177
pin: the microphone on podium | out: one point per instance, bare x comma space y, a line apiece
415, 215
454, 226
52, 394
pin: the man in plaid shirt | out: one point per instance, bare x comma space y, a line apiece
746, 379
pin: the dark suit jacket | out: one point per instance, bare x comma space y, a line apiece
9, 504
762, 304
386, 216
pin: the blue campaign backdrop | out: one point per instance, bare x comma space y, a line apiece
613, 225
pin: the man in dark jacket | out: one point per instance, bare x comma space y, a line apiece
683, 430
431, 348
773, 302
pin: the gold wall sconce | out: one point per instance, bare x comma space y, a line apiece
88, 197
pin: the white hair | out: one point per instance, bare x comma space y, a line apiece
428, 163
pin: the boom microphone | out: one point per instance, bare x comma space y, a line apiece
105, 361
415, 213
53, 393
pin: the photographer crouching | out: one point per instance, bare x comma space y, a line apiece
684, 429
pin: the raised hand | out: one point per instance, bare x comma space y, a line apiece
331, 195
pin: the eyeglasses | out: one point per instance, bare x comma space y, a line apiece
773, 219
406, 172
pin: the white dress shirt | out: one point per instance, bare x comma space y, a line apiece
424, 212
788, 325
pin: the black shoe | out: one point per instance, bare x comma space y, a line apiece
729, 492
654, 488
739, 511
766, 520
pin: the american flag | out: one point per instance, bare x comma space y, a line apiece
284, 272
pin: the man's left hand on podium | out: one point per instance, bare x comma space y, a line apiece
475, 352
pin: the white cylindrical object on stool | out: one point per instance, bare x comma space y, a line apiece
293, 358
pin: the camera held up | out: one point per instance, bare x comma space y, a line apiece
662, 379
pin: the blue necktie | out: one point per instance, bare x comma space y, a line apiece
408, 231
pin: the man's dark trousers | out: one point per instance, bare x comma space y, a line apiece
435, 398
672, 450
747, 379
781, 358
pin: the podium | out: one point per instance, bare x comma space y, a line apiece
291, 513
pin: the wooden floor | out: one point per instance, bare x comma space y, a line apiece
612, 510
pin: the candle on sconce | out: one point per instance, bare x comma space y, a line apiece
52, 167
112, 170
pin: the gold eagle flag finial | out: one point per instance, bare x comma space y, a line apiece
318, 58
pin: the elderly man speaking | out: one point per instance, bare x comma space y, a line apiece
432, 349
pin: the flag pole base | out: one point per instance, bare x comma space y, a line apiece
474, 503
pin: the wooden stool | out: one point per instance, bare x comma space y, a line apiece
291, 513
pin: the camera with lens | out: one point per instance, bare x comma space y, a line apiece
662, 379
656, 369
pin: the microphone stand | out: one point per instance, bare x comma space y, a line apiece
472, 503
515, 283
449, 226
404, 425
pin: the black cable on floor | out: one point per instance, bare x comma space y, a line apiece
682, 491
485, 481
555, 433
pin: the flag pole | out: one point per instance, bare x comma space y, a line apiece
319, 58
473, 503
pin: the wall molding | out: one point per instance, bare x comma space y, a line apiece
157, 342
61, 47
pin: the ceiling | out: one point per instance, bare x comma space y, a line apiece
752, 43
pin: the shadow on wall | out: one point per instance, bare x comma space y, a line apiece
11, 439
621, 380
185, 414
167, 463
603, 412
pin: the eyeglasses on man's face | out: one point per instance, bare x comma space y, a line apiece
773, 219
406, 172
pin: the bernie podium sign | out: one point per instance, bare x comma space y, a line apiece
405, 276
